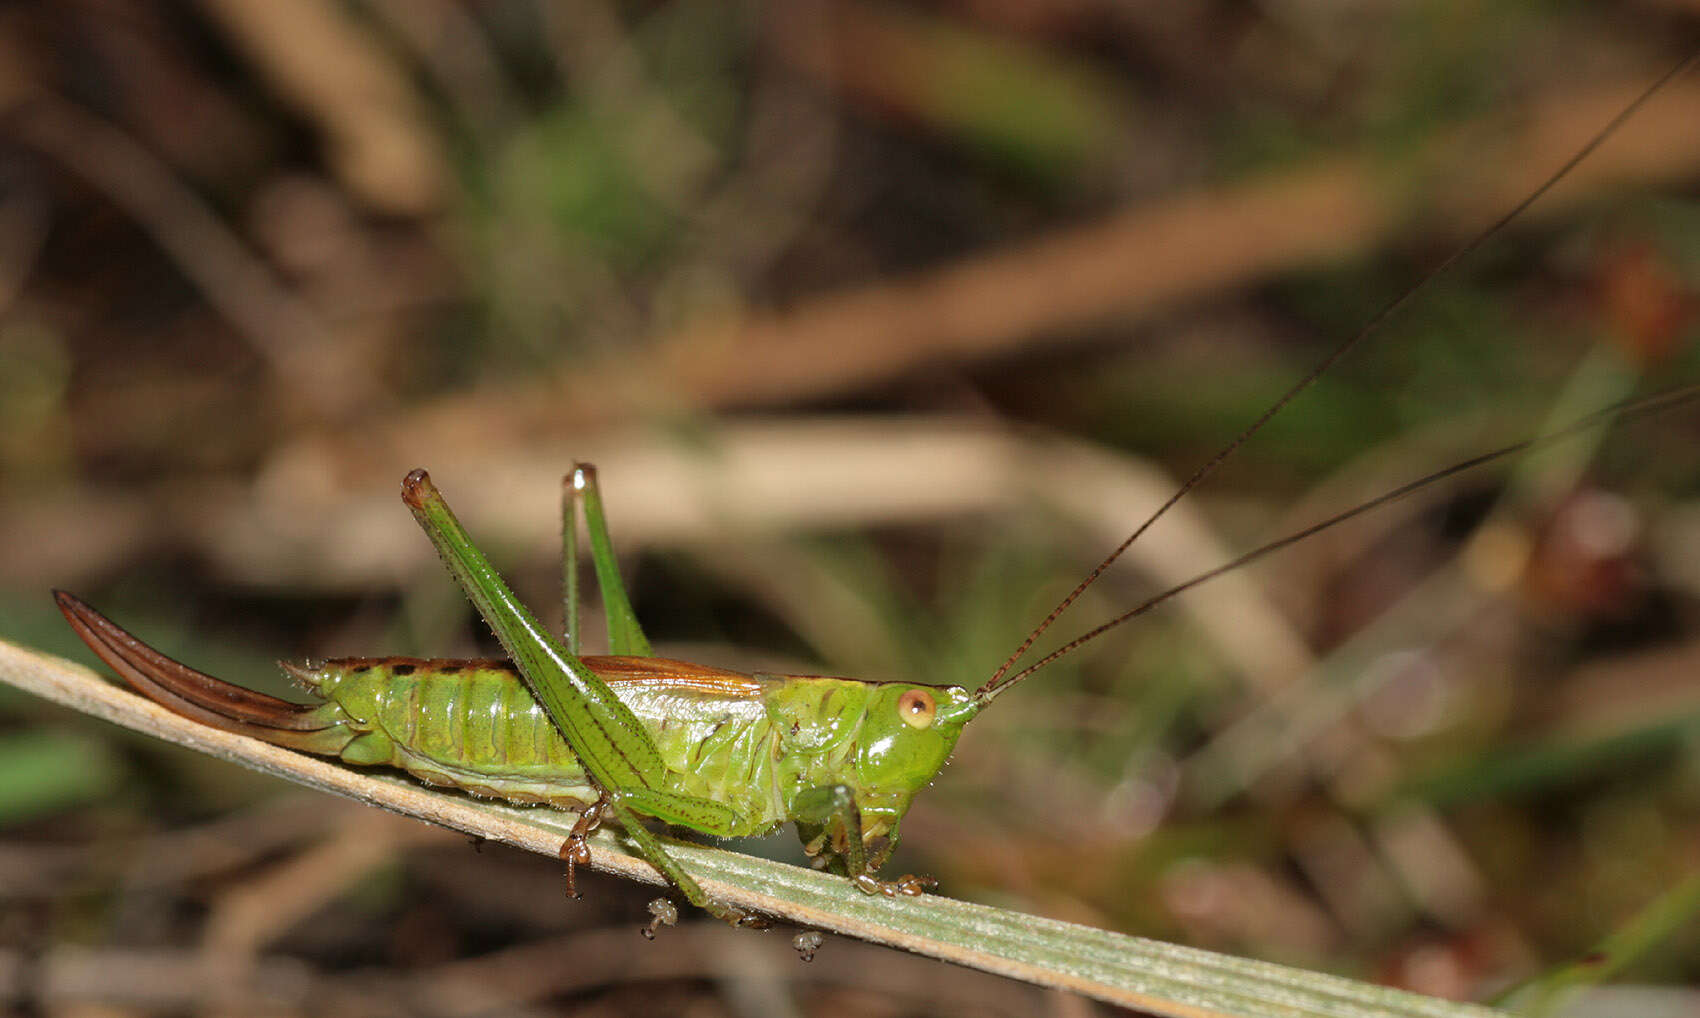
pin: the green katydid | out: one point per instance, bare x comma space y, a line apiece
617, 737
632, 736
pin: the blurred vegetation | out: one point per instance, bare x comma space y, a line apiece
776, 267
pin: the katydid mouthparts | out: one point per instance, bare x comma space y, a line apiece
630, 736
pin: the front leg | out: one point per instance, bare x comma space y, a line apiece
830, 823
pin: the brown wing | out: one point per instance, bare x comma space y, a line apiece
682, 675
643, 672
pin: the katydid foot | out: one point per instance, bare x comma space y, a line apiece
738, 917
807, 943
575, 851
664, 913
909, 885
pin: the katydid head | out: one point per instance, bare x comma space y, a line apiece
908, 732
895, 735
906, 735
884, 741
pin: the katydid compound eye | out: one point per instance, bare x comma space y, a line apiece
916, 708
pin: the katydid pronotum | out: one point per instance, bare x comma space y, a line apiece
631, 736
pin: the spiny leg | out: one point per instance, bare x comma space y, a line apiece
625, 634
575, 851
830, 814
614, 746
833, 824
651, 849
569, 561
909, 884
602, 731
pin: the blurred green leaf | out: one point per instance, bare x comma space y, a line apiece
1640, 934
45, 771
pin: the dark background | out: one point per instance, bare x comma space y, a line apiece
883, 323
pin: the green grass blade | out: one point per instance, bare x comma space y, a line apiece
1155, 977
1645, 930
43, 771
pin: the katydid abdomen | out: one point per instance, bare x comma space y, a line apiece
473, 725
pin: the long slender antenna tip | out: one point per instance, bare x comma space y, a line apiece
997, 681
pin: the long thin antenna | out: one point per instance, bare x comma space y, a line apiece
1618, 411
1370, 327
